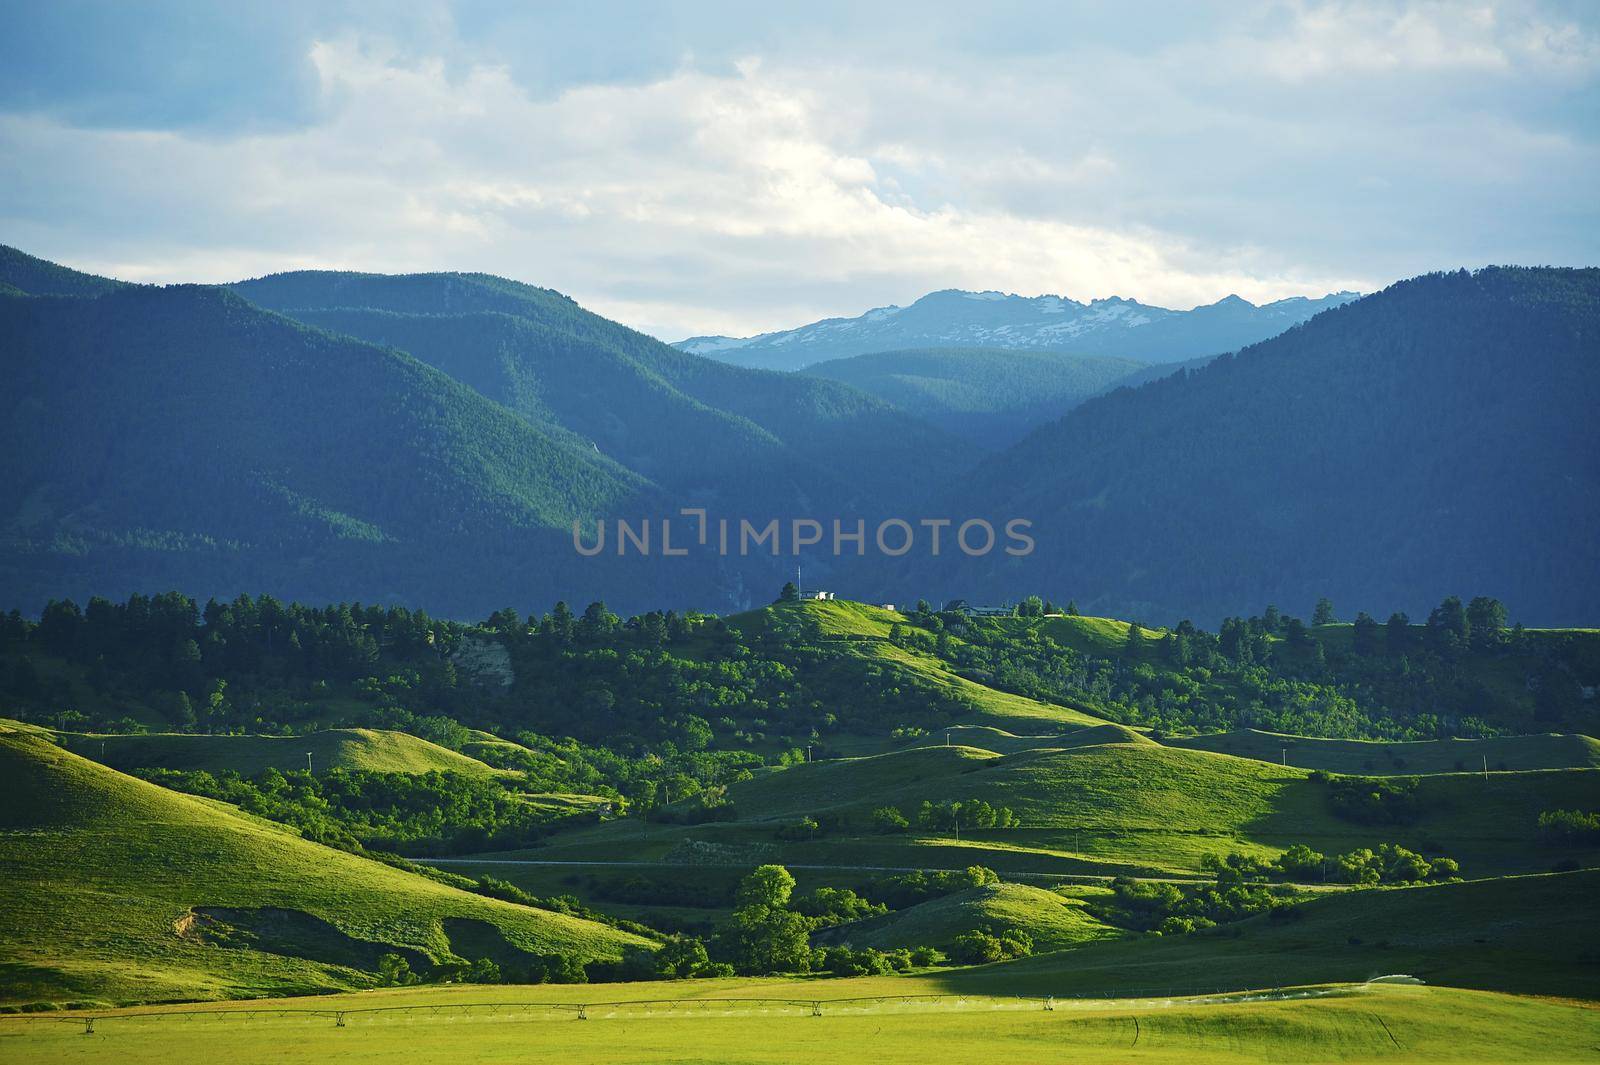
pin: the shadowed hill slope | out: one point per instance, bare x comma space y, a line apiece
1531, 935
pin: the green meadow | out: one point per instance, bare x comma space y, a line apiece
1388, 1023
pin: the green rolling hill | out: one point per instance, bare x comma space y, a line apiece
1382, 758
118, 891
1112, 808
1053, 920
1529, 935
988, 738
375, 750
861, 631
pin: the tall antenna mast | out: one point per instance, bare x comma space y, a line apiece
798, 588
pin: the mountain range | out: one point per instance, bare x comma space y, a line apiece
1436, 438
956, 319
431, 439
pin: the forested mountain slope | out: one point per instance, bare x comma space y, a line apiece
183, 437
756, 442
991, 396
1434, 438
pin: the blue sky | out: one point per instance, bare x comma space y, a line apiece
697, 168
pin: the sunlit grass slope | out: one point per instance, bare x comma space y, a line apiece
862, 630
1053, 920
100, 872
376, 750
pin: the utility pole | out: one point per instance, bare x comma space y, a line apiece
1284, 754
808, 752
1485, 767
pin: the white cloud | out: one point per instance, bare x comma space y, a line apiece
778, 189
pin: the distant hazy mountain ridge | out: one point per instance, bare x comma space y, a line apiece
954, 318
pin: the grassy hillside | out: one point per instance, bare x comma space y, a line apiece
1533, 935
1055, 921
117, 890
1112, 808
1375, 758
862, 630
988, 738
377, 750
1381, 1022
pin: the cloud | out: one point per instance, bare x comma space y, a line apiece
725, 181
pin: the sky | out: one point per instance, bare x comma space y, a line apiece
701, 168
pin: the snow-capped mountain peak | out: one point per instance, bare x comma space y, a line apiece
953, 318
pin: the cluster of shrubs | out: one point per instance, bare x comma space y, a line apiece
809, 828
907, 889
983, 945
395, 971
842, 961
973, 813
1389, 864
1174, 909
945, 816
1569, 826
1371, 800
828, 906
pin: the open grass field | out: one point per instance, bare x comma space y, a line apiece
116, 890
376, 750
1386, 758
1379, 1022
